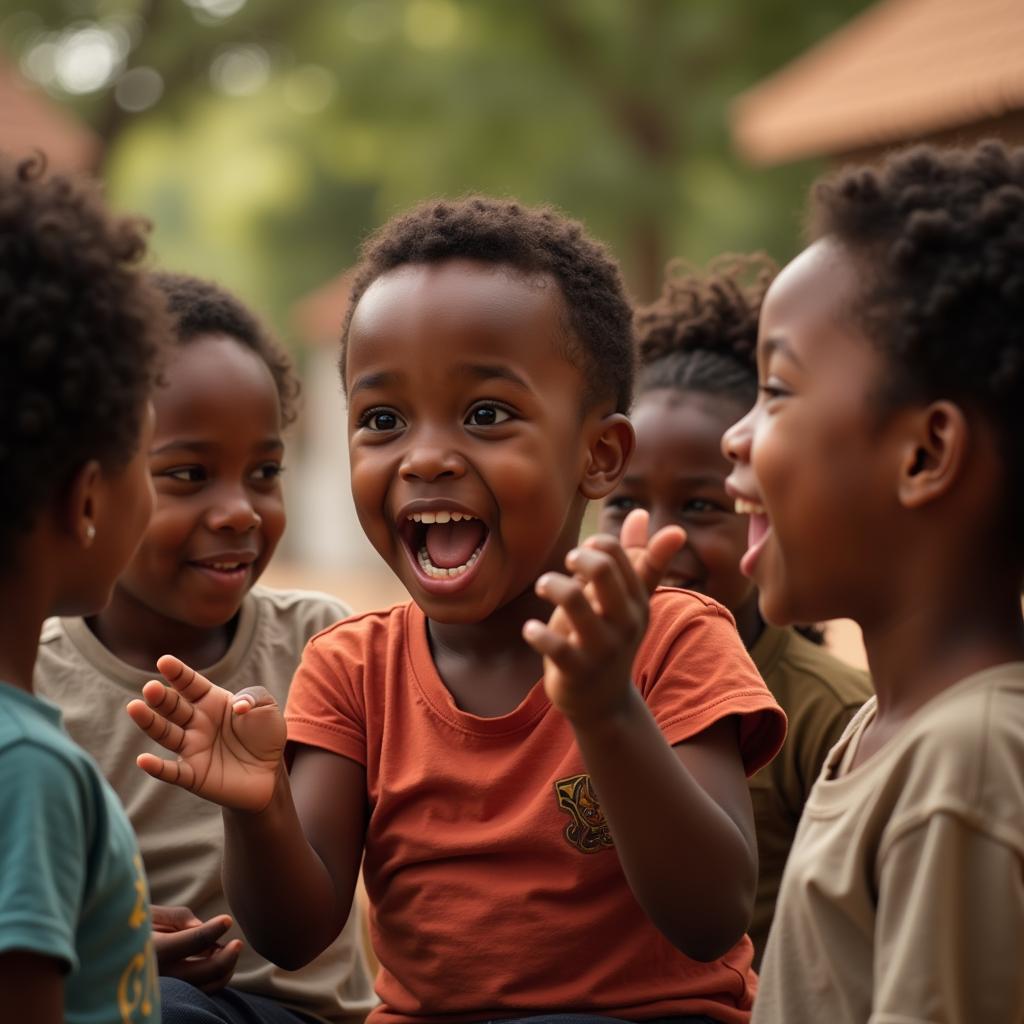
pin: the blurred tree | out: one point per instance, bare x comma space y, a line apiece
265, 138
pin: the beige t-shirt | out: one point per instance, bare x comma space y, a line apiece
819, 694
181, 836
903, 897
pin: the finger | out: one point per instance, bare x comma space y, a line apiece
566, 655
172, 919
252, 697
173, 946
650, 558
213, 972
612, 547
167, 734
166, 701
187, 681
584, 620
175, 773
611, 581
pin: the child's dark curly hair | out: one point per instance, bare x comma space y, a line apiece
701, 332
80, 332
533, 240
938, 236
201, 307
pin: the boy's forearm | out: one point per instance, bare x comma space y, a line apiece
278, 888
687, 862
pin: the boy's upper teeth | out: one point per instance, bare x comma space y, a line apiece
226, 565
746, 507
444, 516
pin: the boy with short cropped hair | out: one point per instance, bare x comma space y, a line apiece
554, 813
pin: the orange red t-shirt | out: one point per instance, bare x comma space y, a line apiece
494, 886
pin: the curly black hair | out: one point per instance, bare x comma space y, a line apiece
80, 333
700, 334
532, 240
201, 307
938, 237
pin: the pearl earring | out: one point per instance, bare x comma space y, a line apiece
90, 532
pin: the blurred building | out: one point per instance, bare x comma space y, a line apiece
323, 530
948, 71
30, 120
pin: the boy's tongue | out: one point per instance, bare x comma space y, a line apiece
451, 544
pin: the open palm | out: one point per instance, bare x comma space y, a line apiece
229, 746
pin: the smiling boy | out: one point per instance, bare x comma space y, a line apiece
554, 816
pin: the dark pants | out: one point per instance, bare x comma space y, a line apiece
182, 1003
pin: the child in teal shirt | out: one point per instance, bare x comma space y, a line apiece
79, 333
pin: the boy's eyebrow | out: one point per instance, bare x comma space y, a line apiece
369, 381
494, 371
270, 444
780, 345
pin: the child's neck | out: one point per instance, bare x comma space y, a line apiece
138, 635
487, 666
24, 609
941, 639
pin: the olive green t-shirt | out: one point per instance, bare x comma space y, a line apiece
181, 836
819, 694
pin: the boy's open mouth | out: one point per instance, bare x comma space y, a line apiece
758, 529
444, 543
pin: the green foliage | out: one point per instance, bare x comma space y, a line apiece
322, 118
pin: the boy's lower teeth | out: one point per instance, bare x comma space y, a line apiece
439, 572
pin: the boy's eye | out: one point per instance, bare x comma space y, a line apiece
186, 474
622, 504
701, 505
268, 471
380, 420
771, 390
486, 416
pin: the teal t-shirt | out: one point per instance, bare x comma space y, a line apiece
71, 880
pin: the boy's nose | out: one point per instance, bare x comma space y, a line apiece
431, 462
233, 512
736, 440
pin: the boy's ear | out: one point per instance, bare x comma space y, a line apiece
78, 516
611, 445
934, 454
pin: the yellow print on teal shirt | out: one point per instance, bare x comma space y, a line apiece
136, 991
587, 829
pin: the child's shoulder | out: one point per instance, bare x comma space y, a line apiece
372, 627
307, 611
963, 753
800, 672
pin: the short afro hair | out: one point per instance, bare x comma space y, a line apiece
531, 240
938, 236
701, 332
202, 307
80, 333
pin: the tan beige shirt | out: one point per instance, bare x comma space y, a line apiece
903, 898
819, 694
181, 836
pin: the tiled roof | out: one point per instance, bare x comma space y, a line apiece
903, 69
30, 120
317, 316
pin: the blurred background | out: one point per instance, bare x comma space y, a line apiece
265, 138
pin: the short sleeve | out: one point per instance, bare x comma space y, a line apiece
693, 670
950, 927
325, 707
43, 856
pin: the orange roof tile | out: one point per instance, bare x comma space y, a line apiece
903, 69
317, 316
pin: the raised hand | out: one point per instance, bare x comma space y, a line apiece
188, 948
229, 746
600, 617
